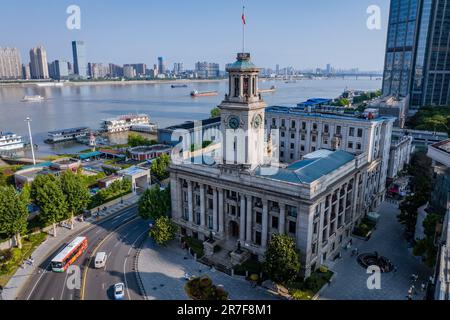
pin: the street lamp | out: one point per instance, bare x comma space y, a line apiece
28, 120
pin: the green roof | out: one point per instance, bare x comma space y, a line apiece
242, 65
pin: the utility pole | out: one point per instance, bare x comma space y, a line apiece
28, 120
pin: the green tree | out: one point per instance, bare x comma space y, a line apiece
76, 192
136, 140
202, 288
163, 231
426, 247
159, 167
282, 262
154, 203
47, 194
13, 213
215, 112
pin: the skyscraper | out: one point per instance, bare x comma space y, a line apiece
79, 59
207, 70
59, 70
38, 63
161, 66
10, 65
417, 62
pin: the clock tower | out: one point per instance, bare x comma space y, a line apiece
242, 115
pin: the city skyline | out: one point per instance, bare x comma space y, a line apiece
317, 48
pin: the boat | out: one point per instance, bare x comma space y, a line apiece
196, 93
64, 135
124, 123
179, 86
272, 89
36, 98
50, 84
10, 141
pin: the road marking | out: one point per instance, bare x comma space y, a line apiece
117, 243
118, 217
125, 277
100, 230
64, 286
89, 228
83, 287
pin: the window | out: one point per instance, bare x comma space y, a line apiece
258, 238
292, 156
236, 87
282, 154
358, 146
325, 141
314, 126
282, 144
282, 134
291, 211
258, 218
303, 125
360, 133
292, 146
326, 128
302, 148
313, 138
351, 133
313, 149
275, 222
293, 124
350, 145
274, 122
292, 135
303, 137
292, 227
338, 129
283, 122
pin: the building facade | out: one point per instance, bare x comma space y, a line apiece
399, 156
80, 65
206, 70
242, 200
59, 70
10, 64
38, 63
417, 63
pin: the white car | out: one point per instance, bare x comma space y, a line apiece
119, 291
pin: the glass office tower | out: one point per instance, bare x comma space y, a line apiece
79, 59
417, 62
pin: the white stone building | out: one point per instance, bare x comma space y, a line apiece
400, 155
317, 200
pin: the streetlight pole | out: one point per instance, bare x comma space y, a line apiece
28, 120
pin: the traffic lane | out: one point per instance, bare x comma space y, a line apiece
121, 250
47, 285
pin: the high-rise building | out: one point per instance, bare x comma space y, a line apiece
129, 72
59, 70
79, 59
417, 62
38, 63
178, 68
161, 65
26, 73
140, 68
10, 65
207, 70
99, 70
115, 70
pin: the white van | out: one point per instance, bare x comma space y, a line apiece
100, 260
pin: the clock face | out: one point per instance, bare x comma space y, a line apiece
234, 122
257, 121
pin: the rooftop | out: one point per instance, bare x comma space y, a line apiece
189, 125
243, 62
71, 130
312, 167
443, 146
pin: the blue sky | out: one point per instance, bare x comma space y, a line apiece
299, 33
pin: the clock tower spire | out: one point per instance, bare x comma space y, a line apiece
242, 114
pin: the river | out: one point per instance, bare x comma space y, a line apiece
86, 105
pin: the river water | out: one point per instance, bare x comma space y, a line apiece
86, 105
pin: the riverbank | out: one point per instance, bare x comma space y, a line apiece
109, 82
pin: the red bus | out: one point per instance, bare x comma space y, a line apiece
69, 254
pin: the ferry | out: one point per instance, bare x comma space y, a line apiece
145, 128
179, 86
272, 89
32, 98
49, 84
10, 141
66, 135
204, 93
124, 123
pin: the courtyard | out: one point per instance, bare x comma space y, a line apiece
350, 280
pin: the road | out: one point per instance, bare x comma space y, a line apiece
116, 236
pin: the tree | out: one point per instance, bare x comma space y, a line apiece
426, 246
215, 113
154, 203
202, 288
49, 197
76, 192
159, 167
282, 262
13, 213
163, 231
136, 140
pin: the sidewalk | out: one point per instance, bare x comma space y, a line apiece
24, 273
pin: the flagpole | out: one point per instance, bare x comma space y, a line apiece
243, 29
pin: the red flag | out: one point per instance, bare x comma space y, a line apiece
243, 17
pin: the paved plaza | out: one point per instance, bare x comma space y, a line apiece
162, 270
350, 281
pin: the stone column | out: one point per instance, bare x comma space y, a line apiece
202, 206
249, 219
265, 218
215, 210
221, 213
190, 202
242, 221
282, 222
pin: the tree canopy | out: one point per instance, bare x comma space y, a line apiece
163, 231
159, 167
154, 203
215, 112
76, 192
13, 212
282, 262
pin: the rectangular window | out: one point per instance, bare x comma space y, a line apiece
360, 133
338, 129
293, 124
283, 122
292, 156
292, 135
313, 138
292, 146
275, 222
258, 218
303, 125
302, 148
292, 227
237, 85
350, 145
291, 211
326, 128
258, 238
282, 134
358, 146
351, 133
